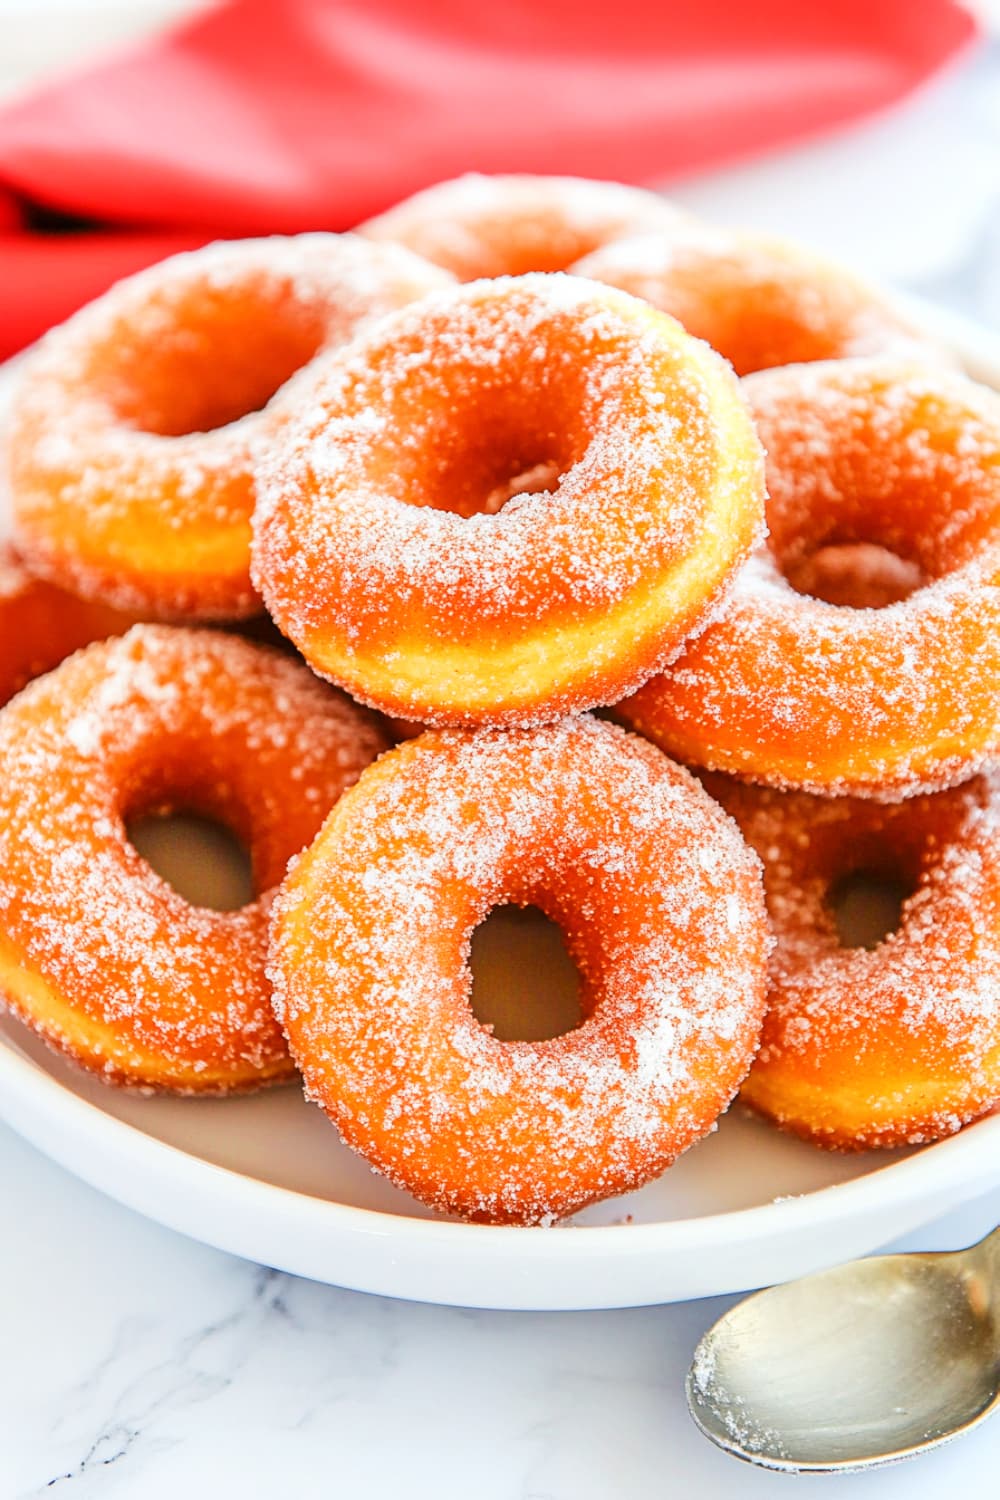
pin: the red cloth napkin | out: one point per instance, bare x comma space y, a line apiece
283, 115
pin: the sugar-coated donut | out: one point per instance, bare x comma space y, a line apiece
759, 300
97, 953
40, 624
791, 690
900, 1043
661, 906
136, 425
510, 501
509, 225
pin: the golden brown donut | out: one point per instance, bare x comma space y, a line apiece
136, 425
761, 301
509, 225
512, 500
40, 624
790, 690
899, 1044
98, 954
660, 903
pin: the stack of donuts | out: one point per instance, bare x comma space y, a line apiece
492, 463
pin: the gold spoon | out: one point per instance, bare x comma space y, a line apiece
873, 1361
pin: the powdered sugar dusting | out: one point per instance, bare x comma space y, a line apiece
370, 966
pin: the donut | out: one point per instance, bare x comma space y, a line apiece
759, 300
136, 425
790, 690
509, 225
40, 624
660, 903
899, 1044
100, 956
510, 501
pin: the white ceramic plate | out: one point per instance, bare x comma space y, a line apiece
265, 1177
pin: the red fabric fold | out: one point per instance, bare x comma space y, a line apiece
281, 115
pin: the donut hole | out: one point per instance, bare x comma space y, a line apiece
541, 478
199, 857
525, 985
867, 905
487, 398
883, 462
207, 361
855, 575
501, 454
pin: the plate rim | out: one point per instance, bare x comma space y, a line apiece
21, 1077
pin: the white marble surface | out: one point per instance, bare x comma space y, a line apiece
138, 1364
134, 1363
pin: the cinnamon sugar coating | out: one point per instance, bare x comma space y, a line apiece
790, 690
97, 953
510, 225
510, 501
136, 425
899, 1044
661, 906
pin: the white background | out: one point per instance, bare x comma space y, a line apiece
135, 1364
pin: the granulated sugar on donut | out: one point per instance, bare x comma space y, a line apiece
661, 906
97, 953
380, 553
899, 1044
137, 424
510, 225
790, 690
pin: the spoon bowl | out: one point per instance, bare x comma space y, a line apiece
864, 1364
